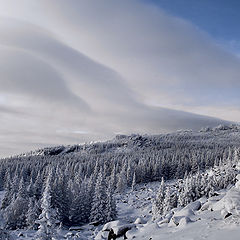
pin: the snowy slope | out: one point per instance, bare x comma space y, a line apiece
221, 134
145, 156
134, 209
206, 223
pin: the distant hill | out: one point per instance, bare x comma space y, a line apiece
222, 135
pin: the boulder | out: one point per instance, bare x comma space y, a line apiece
139, 221
184, 221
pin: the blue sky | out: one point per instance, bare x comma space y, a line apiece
219, 18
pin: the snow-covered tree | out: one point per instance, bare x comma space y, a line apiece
158, 204
133, 182
110, 204
98, 210
32, 214
122, 181
47, 218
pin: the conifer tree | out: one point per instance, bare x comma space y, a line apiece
158, 204
122, 181
110, 204
134, 182
47, 218
98, 210
32, 214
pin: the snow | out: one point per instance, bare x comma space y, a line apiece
230, 203
139, 221
200, 220
194, 221
184, 221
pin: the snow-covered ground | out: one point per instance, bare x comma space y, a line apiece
201, 220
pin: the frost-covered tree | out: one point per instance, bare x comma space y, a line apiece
47, 218
32, 214
98, 210
167, 201
122, 181
60, 196
80, 204
113, 178
110, 204
158, 204
15, 213
133, 182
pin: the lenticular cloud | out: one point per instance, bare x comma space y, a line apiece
99, 68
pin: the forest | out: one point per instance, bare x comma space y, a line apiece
68, 186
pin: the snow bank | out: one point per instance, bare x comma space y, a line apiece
184, 221
146, 232
230, 203
139, 221
185, 212
184, 215
112, 224
120, 230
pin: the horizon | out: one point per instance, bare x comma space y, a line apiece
202, 130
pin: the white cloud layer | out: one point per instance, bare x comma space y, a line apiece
79, 70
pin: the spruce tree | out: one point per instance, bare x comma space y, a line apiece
110, 204
158, 204
47, 218
122, 181
98, 210
134, 182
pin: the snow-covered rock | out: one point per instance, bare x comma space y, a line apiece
184, 221
206, 206
165, 220
131, 234
121, 230
101, 235
194, 206
185, 212
229, 203
202, 200
139, 221
112, 224
175, 221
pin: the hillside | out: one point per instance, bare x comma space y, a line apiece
221, 135
51, 190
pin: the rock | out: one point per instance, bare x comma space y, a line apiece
228, 215
184, 221
69, 234
139, 221
76, 228
131, 234
206, 206
20, 234
110, 225
175, 221
203, 200
121, 230
185, 212
166, 219
96, 223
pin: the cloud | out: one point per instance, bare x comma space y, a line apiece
157, 54
76, 70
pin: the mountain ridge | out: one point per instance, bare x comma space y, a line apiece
136, 141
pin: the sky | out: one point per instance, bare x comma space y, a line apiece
84, 70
